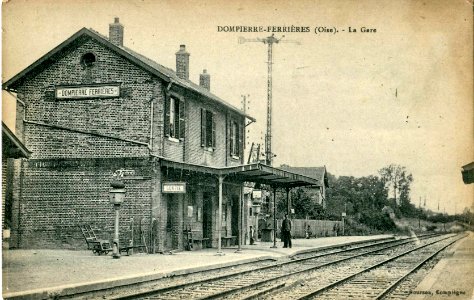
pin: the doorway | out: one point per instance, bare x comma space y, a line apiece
207, 216
235, 216
172, 224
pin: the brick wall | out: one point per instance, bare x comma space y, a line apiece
127, 117
59, 195
54, 193
4, 188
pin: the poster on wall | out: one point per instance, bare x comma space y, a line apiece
190, 211
199, 214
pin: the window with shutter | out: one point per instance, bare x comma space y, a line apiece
235, 139
239, 140
167, 116
213, 117
208, 129
232, 138
182, 122
174, 118
203, 128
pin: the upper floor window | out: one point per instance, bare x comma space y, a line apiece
174, 118
235, 139
208, 129
88, 59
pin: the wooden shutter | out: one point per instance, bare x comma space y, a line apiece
167, 116
213, 130
232, 138
180, 120
203, 128
239, 140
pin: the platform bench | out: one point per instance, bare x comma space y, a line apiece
199, 242
229, 240
141, 248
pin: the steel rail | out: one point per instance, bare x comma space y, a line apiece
395, 284
229, 291
277, 265
347, 278
265, 281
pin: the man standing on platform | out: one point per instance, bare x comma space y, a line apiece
286, 232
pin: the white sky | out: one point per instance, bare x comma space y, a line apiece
354, 102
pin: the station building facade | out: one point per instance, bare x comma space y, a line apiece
92, 109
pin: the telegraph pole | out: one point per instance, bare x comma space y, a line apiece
270, 40
268, 137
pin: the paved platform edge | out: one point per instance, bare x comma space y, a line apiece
71, 289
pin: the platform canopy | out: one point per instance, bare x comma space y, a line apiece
257, 173
263, 174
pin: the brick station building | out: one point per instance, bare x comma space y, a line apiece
91, 109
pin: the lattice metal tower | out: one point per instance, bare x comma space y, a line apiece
270, 40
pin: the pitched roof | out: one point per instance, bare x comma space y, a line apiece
318, 173
13, 147
167, 74
256, 172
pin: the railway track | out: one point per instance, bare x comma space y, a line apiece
262, 279
365, 281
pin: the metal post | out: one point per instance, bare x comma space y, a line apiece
219, 221
342, 225
268, 142
288, 202
345, 213
116, 197
274, 219
115, 248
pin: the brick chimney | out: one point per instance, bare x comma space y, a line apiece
182, 63
116, 33
205, 80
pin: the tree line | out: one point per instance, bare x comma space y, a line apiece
368, 200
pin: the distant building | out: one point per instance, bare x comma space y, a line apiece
318, 191
468, 173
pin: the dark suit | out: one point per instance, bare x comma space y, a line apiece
286, 233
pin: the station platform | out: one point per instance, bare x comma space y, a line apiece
452, 277
36, 273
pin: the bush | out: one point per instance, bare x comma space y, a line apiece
378, 221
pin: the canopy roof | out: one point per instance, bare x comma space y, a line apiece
257, 172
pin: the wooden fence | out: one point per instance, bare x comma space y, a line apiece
318, 228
